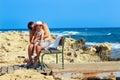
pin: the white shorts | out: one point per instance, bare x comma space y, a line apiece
46, 43
38, 42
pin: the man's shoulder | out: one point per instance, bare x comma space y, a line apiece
32, 31
45, 24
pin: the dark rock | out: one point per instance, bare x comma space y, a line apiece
16, 67
4, 69
104, 51
79, 44
69, 36
82, 41
69, 54
75, 55
72, 60
8, 44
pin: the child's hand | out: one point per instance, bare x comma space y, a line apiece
32, 42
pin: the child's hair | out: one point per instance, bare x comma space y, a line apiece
38, 26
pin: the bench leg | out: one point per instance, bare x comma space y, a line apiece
39, 62
62, 61
42, 64
56, 58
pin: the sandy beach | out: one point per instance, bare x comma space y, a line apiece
13, 51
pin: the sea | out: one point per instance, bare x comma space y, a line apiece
92, 36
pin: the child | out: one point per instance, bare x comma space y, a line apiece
37, 39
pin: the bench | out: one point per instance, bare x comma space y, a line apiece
54, 51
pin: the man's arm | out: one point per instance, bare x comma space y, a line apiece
33, 38
31, 35
41, 39
36, 37
46, 30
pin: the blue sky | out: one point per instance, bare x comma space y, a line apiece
60, 13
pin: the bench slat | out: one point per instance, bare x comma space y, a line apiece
55, 51
45, 51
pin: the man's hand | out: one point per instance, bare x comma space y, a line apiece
40, 44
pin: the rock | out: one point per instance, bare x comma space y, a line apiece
91, 51
83, 46
80, 51
79, 44
22, 74
82, 41
103, 50
75, 54
69, 36
14, 44
53, 36
72, 60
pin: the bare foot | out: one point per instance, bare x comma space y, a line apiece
35, 64
33, 57
28, 64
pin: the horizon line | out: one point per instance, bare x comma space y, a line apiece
61, 28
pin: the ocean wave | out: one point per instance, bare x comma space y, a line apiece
25, 32
65, 33
109, 34
114, 45
79, 33
95, 34
75, 33
91, 43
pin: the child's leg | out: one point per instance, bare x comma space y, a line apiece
35, 45
34, 53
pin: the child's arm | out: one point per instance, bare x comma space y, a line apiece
37, 37
41, 39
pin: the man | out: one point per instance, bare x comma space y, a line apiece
46, 41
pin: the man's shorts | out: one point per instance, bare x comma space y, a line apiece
46, 43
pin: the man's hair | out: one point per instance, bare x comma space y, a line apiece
29, 24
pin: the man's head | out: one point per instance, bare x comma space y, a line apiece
30, 25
